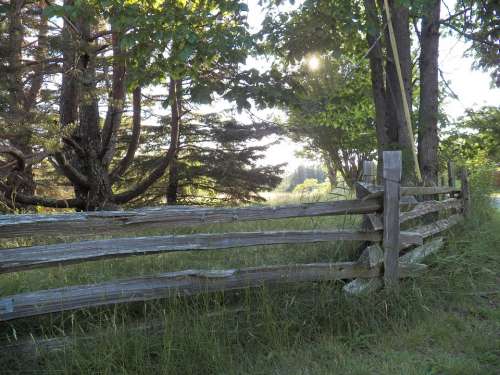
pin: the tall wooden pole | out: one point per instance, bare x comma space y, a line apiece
391, 238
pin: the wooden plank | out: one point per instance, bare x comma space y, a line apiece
103, 222
376, 222
427, 207
189, 282
436, 227
369, 177
365, 190
369, 172
391, 237
364, 286
413, 190
372, 256
464, 176
419, 210
428, 190
419, 253
25, 258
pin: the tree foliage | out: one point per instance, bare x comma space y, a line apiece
107, 57
478, 22
477, 133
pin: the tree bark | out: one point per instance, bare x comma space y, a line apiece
127, 160
429, 95
376, 59
399, 135
331, 169
20, 131
116, 102
68, 105
98, 193
176, 107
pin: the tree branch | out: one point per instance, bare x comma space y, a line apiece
469, 36
33, 200
115, 103
134, 142
39, 70
16, 154
165, 162
70, 172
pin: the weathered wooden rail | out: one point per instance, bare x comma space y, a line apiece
25, 258
105, 222
379, 264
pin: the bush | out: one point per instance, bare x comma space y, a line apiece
311, 185
482, 185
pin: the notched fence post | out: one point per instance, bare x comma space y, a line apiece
391, 237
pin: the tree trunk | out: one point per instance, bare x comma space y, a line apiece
173, 182
429, 95
20, 131
332, 171
98, 192
376, 59
68, 104
399, 135
175, 93
116, 102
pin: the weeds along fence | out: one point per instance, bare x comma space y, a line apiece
385, 209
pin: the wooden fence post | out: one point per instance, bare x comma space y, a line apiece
369, 172
451, 174
391, 238
368, 175
464, 176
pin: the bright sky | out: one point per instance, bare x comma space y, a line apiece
471, 86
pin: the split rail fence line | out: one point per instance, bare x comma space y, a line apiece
379, 264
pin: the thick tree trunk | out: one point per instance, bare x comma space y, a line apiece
68, 104
175, 93
173, 182
429, 95
20, 131
399, 135
376, 59
98, 192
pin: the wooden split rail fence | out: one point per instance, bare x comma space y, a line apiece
379, 263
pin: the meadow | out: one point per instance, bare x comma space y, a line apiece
444, 322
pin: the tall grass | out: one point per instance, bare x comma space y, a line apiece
307, 328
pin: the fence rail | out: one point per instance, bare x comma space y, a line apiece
189, 282
90, 223
379, 264
25, 258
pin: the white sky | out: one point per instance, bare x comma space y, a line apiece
471, 86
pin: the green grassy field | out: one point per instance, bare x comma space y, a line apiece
444, 322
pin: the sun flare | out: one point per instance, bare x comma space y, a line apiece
313, 63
